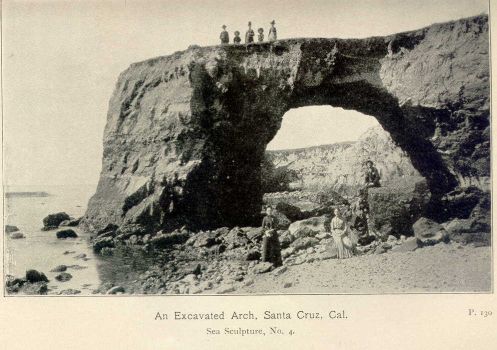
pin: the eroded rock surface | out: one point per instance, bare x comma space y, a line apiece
186, 133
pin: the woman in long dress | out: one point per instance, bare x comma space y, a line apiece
339, 232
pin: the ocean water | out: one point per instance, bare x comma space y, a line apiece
41, 250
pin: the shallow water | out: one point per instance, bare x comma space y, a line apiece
42, 251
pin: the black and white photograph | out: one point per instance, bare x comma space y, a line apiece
246, 148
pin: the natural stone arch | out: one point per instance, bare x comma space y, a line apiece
197, 122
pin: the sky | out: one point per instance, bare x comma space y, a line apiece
61, 60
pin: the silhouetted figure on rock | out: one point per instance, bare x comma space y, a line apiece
272, 32
260, 37
372, 177
237, 40
271, 249
249, 35
224, 36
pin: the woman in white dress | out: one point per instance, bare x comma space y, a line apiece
340, 233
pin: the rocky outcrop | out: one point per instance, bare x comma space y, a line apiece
186, 133
11, 228
53, 221
395, 208
63, 234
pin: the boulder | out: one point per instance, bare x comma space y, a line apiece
69, 291
309, 227
116, 290
285, 253
252, 255
286, 238
253, 233
17, 235
38, 288
393, 209
27, 288
292, 212
59, 268
304, 243
34, 276
205, 239
63, 234
262, 267
164, 240
101, 242
467, 231
63, 277
409, 245
53, 220
279, 270
225, 288
11, 228
428, 232
70, 223
283, 221
235, 238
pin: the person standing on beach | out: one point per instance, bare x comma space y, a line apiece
272, 32
271, 249
249, 35
224, 36
339, 232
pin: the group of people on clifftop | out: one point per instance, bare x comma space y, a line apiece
249, 35
346, 235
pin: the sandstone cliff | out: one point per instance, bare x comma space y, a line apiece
186, 133
340, 166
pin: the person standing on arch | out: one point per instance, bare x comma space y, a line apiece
249, 35
272, 32
260, 37
224, 36
237, 40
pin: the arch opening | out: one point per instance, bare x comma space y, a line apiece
321, 148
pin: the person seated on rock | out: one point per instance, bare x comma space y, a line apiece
237, 40
343, 238
360, 225
224, 36
260, 37
372, 177
271, 249
249, 35
272, 32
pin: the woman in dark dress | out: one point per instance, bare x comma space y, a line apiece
271, 249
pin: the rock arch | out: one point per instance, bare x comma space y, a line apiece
199, 120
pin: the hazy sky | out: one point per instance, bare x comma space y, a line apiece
61, 60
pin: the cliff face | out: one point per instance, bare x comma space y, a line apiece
340, 166
186, 133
